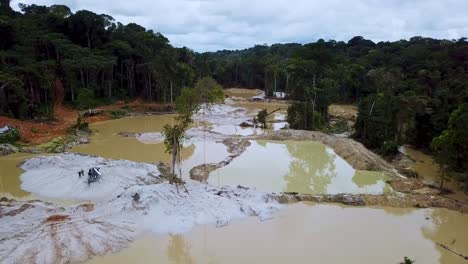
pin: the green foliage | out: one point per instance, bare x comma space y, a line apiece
95, 59
80, 124
450, 148
301, 115
11, 136
406, 90
209, 91
407, 261
262, 118
116, 114
187, 104
174, 136
86, 99
57, 145
389, 148
206, 92
341, 126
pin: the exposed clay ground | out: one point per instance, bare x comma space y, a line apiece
410, 193
358, 156
34, 133
345, 112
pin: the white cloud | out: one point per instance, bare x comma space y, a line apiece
225, 24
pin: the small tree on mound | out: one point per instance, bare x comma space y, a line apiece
206, 93
262, 118
407, 260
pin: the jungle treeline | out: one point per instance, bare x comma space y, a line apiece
409, 92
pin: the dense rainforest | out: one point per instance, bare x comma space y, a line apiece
94, 58
409, 92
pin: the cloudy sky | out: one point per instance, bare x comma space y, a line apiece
209, 25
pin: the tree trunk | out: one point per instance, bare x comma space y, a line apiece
174, 156
305, 114
87, 78
313, 114
372, 107
82, 78
110, 82
442, 178
466, 185
89, 40
149, 88
275, 83
172, 101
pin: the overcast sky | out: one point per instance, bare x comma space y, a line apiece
210, 25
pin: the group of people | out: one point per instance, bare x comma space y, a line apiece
94, 175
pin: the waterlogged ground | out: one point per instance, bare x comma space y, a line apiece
292, 166
10, 183
300, 233
307, 233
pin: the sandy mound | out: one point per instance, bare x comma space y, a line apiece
57, 176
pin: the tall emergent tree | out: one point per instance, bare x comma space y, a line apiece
205, 93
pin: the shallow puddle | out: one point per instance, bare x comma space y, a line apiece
294, 166
10, 183
308, 233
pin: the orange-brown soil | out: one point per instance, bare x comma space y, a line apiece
33, 132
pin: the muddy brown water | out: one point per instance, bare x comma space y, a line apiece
244, 93
293, 166
9, 177
426, 168
308, 233
107, 143
301, 233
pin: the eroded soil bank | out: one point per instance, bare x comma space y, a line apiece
358, 156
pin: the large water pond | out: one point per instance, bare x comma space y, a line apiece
294, 166
301, 233
308, 233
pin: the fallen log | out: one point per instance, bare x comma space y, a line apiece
452, 251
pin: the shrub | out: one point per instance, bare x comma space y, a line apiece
303, 116
80, 124
116, 114
337, 128
389, 148
407, 261
86, 99
11, 136
57, 145
262, 118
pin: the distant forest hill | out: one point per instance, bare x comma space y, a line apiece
406, 90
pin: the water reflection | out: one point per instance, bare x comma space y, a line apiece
304, 167
310, 171
311, 233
